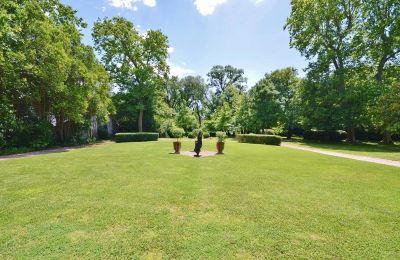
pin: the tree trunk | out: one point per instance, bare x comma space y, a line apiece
289, 133
387, 138
60, 128
140, 121
198, 114
351, 138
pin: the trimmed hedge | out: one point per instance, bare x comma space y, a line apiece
325, 135
135, 137
259, 139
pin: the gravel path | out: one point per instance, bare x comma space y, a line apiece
29, 154
345, 155
47, 151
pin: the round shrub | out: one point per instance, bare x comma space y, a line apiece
206, 134
136, 137
260, 139
177, 132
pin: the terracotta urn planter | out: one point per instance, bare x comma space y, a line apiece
220, 147
177, 147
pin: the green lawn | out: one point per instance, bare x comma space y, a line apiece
390, 152
136, 200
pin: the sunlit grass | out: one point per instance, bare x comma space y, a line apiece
136, 200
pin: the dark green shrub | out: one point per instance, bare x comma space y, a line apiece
102, 133
135, 137
260, 139
206, 134
37, 134
213, 134
325, 135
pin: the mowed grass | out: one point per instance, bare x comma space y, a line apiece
389, 152
135, 200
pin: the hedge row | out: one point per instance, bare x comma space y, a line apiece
325, 135
259, 139
135, 137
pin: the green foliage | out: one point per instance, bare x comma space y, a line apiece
166, 127
47, 73
265, 104
221, 77
194, 133
259, 139
386, 114
221, 136
325, 135
206, 134
186, 119
177, 132
351, 46
136, 137
136, 62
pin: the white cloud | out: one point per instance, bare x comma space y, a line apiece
207, 7
151, 3
257, 1
176, 70
171, 49
131, 4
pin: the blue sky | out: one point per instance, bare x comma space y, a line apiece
247, 34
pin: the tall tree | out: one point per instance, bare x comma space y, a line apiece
265, 104
193, 94
220, 77
286, 83
49, 74
136, 61
323, 31
379, 44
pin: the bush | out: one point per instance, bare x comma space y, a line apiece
260, 139
166, 128
135, 137
194, 133
325, 135
177, 132
206, 134
221, 136
37, 134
